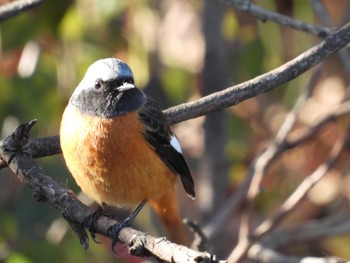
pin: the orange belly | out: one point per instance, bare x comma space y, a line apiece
111, 160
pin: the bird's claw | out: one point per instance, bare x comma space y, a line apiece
90, 221
18, 141
115, 229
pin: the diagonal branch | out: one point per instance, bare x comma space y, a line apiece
261, 163
16, 7
264, 15
263, 83
262, 254
297, 196
322, 14
235, 200
307, 232
235, 94
45, 189
290, 204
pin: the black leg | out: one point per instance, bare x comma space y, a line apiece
115, 229
90, 220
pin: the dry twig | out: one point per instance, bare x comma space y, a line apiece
14, 8
238, 93
267, 255
263, 83
289, 205
45, 189
307, 232
264, 15
236, 198
323, 16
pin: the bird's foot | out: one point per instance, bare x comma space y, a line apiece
18, 141
115, 229
90, 221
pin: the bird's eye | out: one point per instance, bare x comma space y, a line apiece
98, 84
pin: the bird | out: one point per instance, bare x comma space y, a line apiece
121, 150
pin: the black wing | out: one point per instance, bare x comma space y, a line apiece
158, 134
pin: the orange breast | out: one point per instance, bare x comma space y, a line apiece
111, 160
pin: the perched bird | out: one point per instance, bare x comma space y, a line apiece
120, 148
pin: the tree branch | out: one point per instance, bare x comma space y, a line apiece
41, 147
263, 83
233, 202
264, 15
16, 7
267, 255
46, 189
307, 232
260, 165
304, 187
289, 205
322, 14
238, 93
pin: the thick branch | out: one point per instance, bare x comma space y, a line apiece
263, 83
46, 189
41, 147
238, 93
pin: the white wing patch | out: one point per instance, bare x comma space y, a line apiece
175, 143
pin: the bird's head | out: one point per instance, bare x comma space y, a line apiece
107, 90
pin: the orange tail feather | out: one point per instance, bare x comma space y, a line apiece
167, 209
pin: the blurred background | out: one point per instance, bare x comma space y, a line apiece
179, 51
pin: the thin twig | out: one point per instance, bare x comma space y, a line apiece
233, 202
341, 110
266, 255
307, 232
261, 84
260, 164
290, 204
264, 15
16, 7
322, 14
297, 196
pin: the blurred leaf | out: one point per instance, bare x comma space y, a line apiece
176, 82
8, 226
230, 25
72, 25
18, 31
17, 258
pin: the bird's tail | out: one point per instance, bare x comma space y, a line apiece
167, 209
